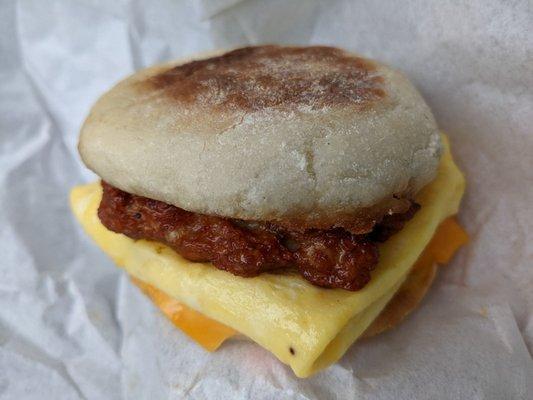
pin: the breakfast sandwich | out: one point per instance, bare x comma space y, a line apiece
299, 196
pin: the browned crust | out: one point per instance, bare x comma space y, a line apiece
256, 78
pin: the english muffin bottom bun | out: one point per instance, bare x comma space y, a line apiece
299, 196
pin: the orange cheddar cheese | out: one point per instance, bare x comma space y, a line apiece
208, 333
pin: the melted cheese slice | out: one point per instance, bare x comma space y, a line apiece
304, 326
205, 331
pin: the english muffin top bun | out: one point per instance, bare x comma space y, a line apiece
305, 136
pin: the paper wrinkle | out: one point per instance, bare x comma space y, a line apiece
211, 8
72, 325
12, 387
38, 357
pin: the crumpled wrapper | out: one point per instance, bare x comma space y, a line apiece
72, 326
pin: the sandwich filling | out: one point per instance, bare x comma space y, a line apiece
333, 258
303, 325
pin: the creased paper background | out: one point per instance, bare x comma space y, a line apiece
73, 327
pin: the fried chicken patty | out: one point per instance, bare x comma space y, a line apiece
333, 258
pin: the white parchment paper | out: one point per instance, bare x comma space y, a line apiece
73, 327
